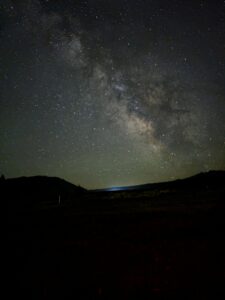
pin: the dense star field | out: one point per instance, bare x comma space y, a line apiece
107, 93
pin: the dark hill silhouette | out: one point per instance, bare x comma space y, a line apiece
207, 180
30, 190
26, 191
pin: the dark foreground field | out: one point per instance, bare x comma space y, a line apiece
112, 246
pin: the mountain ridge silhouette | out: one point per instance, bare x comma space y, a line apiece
39, 189
210, 179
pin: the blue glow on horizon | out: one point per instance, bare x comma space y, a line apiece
116, 188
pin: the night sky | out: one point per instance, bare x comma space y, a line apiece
105, 93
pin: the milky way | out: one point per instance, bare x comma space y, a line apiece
105, 93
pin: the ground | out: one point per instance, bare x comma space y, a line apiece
167, 245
